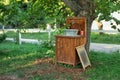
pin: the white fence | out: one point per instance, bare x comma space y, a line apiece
40, 30
107, 31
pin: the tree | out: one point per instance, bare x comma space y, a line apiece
105, 7
13, 14
90, 9
32, 13
83, 8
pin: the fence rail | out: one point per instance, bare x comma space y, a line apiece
106, 31
39, 30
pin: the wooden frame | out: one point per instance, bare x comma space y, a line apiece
83, 56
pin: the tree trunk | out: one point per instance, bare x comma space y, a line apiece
83, 8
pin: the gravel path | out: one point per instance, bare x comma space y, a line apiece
108, 48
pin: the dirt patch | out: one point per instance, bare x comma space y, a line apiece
3, 52
47, 67
8, 77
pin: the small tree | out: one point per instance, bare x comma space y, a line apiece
14, 14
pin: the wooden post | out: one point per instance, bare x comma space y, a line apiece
49, 30
19, 37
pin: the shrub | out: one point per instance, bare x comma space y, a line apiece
48, 44
2, 37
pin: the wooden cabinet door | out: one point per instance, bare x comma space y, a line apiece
59, 49
65, 50
69, 52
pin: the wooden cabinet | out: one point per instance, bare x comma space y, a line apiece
65, 45
65, 49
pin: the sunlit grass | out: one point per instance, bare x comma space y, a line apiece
105, 38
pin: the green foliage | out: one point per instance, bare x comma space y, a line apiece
33, 13
59, 31
105, 8
2, 37
48, 44
13, 14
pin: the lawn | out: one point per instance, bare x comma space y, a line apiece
105, 66
95, 37
38, 35
36, 62
105, 38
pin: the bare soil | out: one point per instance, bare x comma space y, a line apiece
47, 67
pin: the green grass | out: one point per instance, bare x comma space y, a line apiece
11, 34
39, 35
105, 38
104, 66
14, 56
17, 59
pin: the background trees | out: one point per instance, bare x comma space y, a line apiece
105, 7
32, 13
